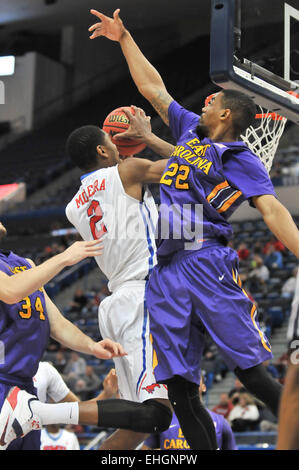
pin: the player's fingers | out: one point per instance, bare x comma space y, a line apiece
92, 243
94, 253
116, 14
138, 110
95, 26
125, 135
94, 248
121, 351
119, 136
128, 113
98, 14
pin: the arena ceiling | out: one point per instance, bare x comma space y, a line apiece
35, 15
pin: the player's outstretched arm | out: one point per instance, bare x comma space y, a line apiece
67, 334
146, 77
279, 221
17, 287
137, 170
140, 129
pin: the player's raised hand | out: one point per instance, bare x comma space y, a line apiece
140, 125
81, 250
111, 28
107, 349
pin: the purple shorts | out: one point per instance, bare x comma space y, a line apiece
201, 290
32, 440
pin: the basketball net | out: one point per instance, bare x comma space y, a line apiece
263, 137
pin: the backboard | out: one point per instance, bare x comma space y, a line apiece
255, 48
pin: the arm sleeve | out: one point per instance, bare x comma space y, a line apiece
57, 389
228, 439
245, 171
153, 441
180, 119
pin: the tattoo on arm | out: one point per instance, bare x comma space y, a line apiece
161, 102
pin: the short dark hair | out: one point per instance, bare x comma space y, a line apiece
81, 146
243, 109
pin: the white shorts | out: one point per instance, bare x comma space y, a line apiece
124, 318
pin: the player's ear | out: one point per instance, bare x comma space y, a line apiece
102, 152
225, 114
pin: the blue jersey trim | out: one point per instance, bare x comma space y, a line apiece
145, 315
87, 174
52, 437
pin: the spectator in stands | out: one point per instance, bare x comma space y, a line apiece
245, 414
238, 388
258, 249
74, 368
259, 275
274, 242
288, 288
79, 301
88, 384
273, 258
224, 406
243, 252
60, 361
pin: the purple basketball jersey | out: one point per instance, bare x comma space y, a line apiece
216, 176
173, 438
24, 328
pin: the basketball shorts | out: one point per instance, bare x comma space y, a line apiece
32, 440
123, 317
198, 292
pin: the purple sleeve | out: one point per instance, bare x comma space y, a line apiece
180, 119
228, 439
153, 441
245, 171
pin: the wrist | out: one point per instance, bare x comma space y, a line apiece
148, 138
90, 347
62, 259
125, 35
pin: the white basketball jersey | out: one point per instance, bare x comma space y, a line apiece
101, 207
63, 440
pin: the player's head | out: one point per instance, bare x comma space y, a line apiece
3, 231
90, 148
229, 111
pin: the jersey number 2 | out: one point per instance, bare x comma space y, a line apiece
95, 213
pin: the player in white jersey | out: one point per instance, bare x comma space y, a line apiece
114, 203
55, 438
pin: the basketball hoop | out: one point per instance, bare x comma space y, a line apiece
263, 137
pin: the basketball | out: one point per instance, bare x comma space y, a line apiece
117, 122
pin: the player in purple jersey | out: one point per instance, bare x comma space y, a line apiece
174, 438
195, 286
28, 317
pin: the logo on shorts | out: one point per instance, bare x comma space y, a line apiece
151, 388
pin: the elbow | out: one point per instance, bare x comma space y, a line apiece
145, 91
